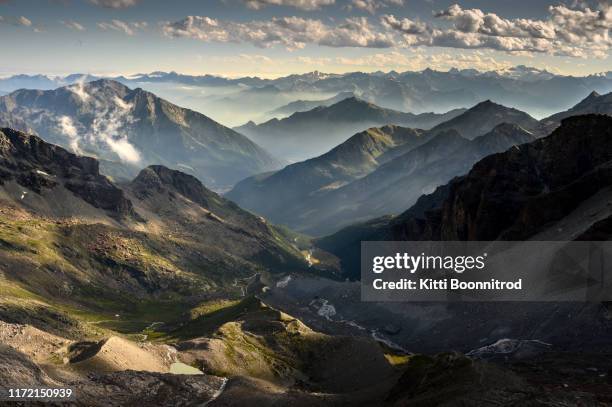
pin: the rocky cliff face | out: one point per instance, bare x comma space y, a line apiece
514, 195
38, 165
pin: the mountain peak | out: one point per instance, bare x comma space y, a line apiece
159, 177
107, 83
588, 100
487, 104
594, 103
594, 94
353, 99
485, 116
355, 102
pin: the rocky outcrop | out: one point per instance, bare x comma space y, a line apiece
514, 194
37, 165
158, 177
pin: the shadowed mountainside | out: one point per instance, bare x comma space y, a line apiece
539, 190
325, 199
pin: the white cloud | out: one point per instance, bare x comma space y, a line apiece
308, 5
24, 21
115, 3
66, 126
129, 28
577, 32
290, 32
79, 90
371, 6
567, 32
122, 147
107, 127
17, 21
73, 25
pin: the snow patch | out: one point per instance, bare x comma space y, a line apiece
506, 346
284, 282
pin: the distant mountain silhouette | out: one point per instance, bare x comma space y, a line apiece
311, 133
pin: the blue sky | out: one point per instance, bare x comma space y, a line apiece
279, 37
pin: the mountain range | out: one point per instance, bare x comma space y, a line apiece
306, 134
537, 91
318, 197
305, 105
129, 129
355, 158
553, 188
120, 288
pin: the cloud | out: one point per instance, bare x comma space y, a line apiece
108, 127
129, 28
115, 3
371, 6
16, 21
577, 32
308, 5
66, 126
73, 25
567, 32
79, 90
24, 21
21, 21
290, 32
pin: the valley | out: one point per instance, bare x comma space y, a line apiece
147, 286
305, 203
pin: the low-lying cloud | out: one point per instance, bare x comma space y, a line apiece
108, 129
66, 126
